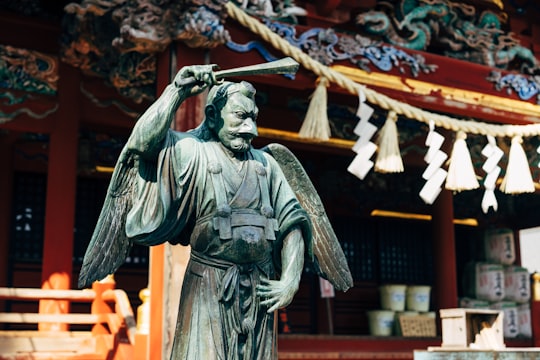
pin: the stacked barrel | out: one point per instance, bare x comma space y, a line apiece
496, 282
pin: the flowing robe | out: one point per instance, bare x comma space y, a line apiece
176, 199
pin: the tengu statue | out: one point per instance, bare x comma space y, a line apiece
252, 218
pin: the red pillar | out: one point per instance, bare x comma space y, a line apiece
6, 188
535, 309
61, 192
191, 112
444, 252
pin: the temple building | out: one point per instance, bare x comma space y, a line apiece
418, 122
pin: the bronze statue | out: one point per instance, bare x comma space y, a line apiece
235, 205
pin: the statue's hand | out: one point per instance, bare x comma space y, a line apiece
199, 77
276, 294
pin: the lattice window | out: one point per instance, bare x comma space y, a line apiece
386, 250
404, 251
90, 196
28, 217
358, 240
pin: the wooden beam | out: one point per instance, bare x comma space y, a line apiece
41, 294
33, 344
30, 318
30, 32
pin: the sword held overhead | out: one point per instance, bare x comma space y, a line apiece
283, 66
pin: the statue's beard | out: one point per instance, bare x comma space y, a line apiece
240, 144
237, 142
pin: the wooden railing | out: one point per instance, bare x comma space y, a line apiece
109, 328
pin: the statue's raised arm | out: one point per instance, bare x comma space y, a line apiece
149, 131
110, 244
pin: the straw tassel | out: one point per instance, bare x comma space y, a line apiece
389, 157
518, 177
316, 125
461, 175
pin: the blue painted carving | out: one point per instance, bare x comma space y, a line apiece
27, 70
327, 46
257, 46
249, 46
456, 29
524, 86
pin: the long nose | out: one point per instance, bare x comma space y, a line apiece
249, 127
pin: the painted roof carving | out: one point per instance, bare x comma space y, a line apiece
128, 33
118, 39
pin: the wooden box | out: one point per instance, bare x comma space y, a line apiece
480, 329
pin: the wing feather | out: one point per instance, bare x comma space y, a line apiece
109, 245
330, 262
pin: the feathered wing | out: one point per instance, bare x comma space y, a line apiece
330, 262
109, 245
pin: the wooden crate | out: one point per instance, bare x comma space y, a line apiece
480, 329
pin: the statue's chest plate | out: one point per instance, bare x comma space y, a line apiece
248, 244
244, 218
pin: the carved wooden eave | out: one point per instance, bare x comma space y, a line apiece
452, 86
439, 83
119, 41
456, 87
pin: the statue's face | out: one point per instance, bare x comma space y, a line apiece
239, 127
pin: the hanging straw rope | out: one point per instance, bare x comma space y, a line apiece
383, 101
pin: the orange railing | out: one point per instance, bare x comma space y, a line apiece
106, 331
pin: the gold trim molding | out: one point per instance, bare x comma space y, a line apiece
418, 87
276, 134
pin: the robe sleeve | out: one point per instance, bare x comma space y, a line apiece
163, 198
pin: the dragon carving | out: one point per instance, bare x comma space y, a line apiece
454, 29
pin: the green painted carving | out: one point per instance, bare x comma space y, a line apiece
457, 29
27, 70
